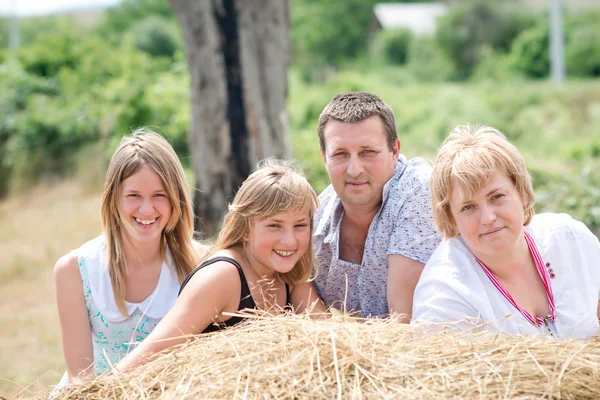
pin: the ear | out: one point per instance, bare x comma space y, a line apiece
396, 150
324, 156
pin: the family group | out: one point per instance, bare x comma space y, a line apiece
455, 243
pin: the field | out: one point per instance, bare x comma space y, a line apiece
35, 230
557, 129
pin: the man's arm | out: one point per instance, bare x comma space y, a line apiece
403, 275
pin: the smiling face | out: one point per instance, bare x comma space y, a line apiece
144, 205
491, 222
277, 243
358, 160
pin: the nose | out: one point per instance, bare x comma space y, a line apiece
488, 215
288, 237
146, 207
355, 167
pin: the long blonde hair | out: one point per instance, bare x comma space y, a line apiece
147, 148
273, 188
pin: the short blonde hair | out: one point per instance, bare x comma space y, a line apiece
144, 147
273, 188
470, 156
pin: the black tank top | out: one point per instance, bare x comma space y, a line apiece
246, 300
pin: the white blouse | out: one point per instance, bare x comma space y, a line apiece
453, 286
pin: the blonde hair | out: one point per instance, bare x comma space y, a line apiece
470, 156
273, 188
147, 148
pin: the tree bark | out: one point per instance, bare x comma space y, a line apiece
238, 55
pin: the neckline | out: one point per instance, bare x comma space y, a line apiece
539, 264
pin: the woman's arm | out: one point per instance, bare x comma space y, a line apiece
74, 319
210, 292
304, 297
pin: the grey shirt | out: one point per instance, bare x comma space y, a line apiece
403, 225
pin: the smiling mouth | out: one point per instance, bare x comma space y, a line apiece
145, 222
284, 254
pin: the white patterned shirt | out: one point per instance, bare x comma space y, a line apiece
403, 225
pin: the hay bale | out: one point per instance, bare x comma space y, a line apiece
293, 357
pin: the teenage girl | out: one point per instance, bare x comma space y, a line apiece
262, 260
113, 290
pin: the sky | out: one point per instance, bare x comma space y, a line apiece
43, 7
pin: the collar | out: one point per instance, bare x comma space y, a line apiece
333, 210
154, 306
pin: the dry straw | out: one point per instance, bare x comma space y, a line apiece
293, 357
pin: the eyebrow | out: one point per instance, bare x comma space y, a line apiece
137, 191
280, 220
344, 148
491, 192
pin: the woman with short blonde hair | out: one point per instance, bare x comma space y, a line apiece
500, 264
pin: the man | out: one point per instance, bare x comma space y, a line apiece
373, 230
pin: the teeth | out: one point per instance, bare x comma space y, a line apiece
145, 221
284, 253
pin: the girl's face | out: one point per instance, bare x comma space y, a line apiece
144, 205
277, 243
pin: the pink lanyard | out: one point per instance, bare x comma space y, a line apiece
539, 263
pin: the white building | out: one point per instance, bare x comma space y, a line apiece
419, 18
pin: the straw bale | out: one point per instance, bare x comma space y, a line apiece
294, 357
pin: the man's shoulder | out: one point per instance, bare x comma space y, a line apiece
416, 170
326, 198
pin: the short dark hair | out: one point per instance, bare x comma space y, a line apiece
354, 107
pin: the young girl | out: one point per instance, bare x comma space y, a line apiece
262, 260
114, 290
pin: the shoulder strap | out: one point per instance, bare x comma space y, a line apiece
245, 288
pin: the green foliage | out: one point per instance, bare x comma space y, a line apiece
427, 62
472, 25
392, 45
4, 26
583, 47
53, 50
122, 18
495, 67
157, 36
530, 51
531, 55
330, 32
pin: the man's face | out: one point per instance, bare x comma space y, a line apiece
358, 160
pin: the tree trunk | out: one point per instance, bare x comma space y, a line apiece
238, 55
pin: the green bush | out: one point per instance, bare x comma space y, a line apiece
427, 62
530, 53
472, 25
583, 47
392, 45
157, 36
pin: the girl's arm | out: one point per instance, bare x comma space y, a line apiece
74, 319
304, 297
211, 291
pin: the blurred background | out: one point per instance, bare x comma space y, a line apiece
76, 76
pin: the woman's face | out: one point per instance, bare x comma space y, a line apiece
491, 223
